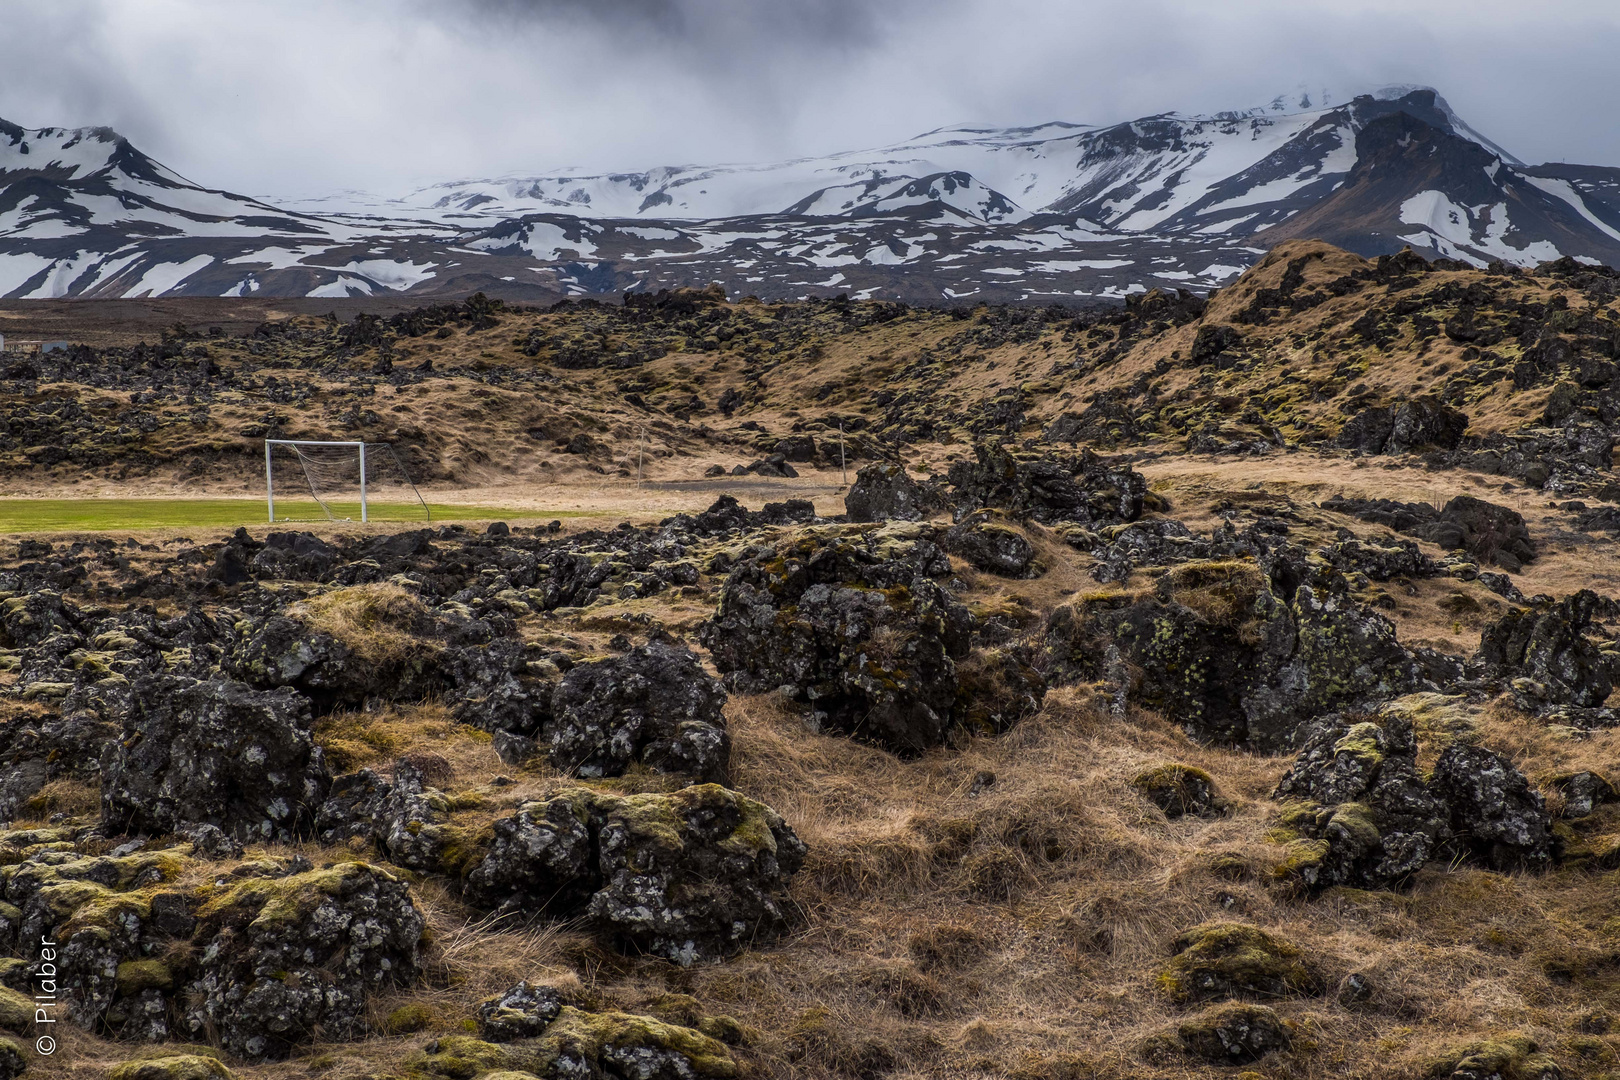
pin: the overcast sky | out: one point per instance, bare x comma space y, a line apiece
308, 96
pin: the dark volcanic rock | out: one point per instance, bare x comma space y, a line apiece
1493, 808
886, 492
1085, 488
215, 752
1234, 1033
300, 954
1369, 817
1489, 532
653, 706
855, 625
522, 1012
1238, 651
991, 545
1411, 425
1548, 654
695, 874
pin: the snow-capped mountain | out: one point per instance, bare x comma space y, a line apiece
1057, 211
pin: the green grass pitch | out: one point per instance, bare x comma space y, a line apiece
23, 515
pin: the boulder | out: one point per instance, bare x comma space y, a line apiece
695, 874
1233, 1034
523, 1012
1489, 532
292, 955
1083, 488
653, 706
216, 752
1222, 647
1368, 817
1584, 792
1494, 810
256, 961
1225, 960
344, 647
1547, 654
990, 545
1423, 422
884, 491
854, 625
1180, 790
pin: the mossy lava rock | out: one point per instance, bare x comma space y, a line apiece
1223, 960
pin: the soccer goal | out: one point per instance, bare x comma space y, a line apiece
339, 481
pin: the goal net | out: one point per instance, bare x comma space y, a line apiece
338, 481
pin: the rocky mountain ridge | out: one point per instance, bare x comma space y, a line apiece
1054, 213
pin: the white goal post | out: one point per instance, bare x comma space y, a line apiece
335, 470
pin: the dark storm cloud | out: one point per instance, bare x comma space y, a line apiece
271, 96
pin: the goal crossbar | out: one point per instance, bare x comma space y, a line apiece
359, 446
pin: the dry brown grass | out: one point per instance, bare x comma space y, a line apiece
380, 623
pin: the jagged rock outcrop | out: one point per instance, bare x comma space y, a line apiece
214, 752
1239, 651
1420, 423
654, 706
884, 491
990, 545
695, 874
1547, 655
259, 961
288, 956
855, 625
1368, 817
1489, 532
1083, 488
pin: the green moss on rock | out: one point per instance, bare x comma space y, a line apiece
1218, 960
172, 1067
16, 1011
1510, 1056
134, 976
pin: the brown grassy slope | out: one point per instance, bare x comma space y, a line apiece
917, 383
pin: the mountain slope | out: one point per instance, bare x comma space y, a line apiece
1056, 212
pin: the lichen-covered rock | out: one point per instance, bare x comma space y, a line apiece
276, 950
854, 625
343, 647
1381, 561
522, 1012
991, 545
1180, 790
541, 860
1237, 650
1233, 1034
495, 687
653, 706
217, 753
690, 875
286, 956
1489, 532
1494, 810
579, 1045
1223, 960
1049, 488
884, 491
1584, 792
1505, 1057
1368, 818
1548, 654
